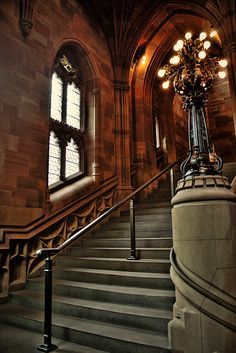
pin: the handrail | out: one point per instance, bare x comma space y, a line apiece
47, 346
75, 236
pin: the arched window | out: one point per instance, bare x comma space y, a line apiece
66, 143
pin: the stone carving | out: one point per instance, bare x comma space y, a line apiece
26, 15
22, 262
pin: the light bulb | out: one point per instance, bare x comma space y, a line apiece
161, 72
206, 44
176, 47
223, 63
165, 84
174, 60
202, 54
222, 74
143, 59
202, 36
188, 35
180, 43
213, 33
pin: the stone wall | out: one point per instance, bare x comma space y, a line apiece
25, 70
221, 125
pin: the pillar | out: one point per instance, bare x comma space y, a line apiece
204, 266
122, 139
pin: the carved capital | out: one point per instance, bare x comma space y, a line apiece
96, 91
121, 86
26, 15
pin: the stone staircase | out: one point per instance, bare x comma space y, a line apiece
102, 301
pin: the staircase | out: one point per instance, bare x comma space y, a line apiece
102, 302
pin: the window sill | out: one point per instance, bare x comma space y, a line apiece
64, 196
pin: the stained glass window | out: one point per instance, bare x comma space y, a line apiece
56, 97
54, 159
72, 159
64, 154
73, 106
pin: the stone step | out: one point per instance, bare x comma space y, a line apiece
126, 278
160, 196
145, 265
138, 225
125, 233
106, 336
142, 253
158, 217
34, 339
151, 204
120, 314
145, 297
119, 243
152, 210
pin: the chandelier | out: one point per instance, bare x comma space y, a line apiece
192, 71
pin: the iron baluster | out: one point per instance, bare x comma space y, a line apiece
132, 231
47, 346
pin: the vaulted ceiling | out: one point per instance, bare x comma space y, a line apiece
129, 24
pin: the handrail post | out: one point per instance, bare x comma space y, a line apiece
132, 231
47, 346
172, 187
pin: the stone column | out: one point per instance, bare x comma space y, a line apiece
231, 54
122, 139
96, 167
204, 266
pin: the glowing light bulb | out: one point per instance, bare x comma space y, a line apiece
222, 74
176, 47
213, 33
143, 60
202, 54
174, 60
188, 35
206, 44
180, 43
223, 63
161, 72
202, 36
165, 84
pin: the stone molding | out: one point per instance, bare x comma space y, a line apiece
21, 262
204, 187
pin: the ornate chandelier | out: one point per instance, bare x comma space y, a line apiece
192, 71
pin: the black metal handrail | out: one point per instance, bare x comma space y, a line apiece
47, 253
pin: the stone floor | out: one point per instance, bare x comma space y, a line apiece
17, 340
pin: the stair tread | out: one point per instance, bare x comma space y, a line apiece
114, 259
115, 272
119, 248
113, 288
99, 305
118, 332
128, 238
